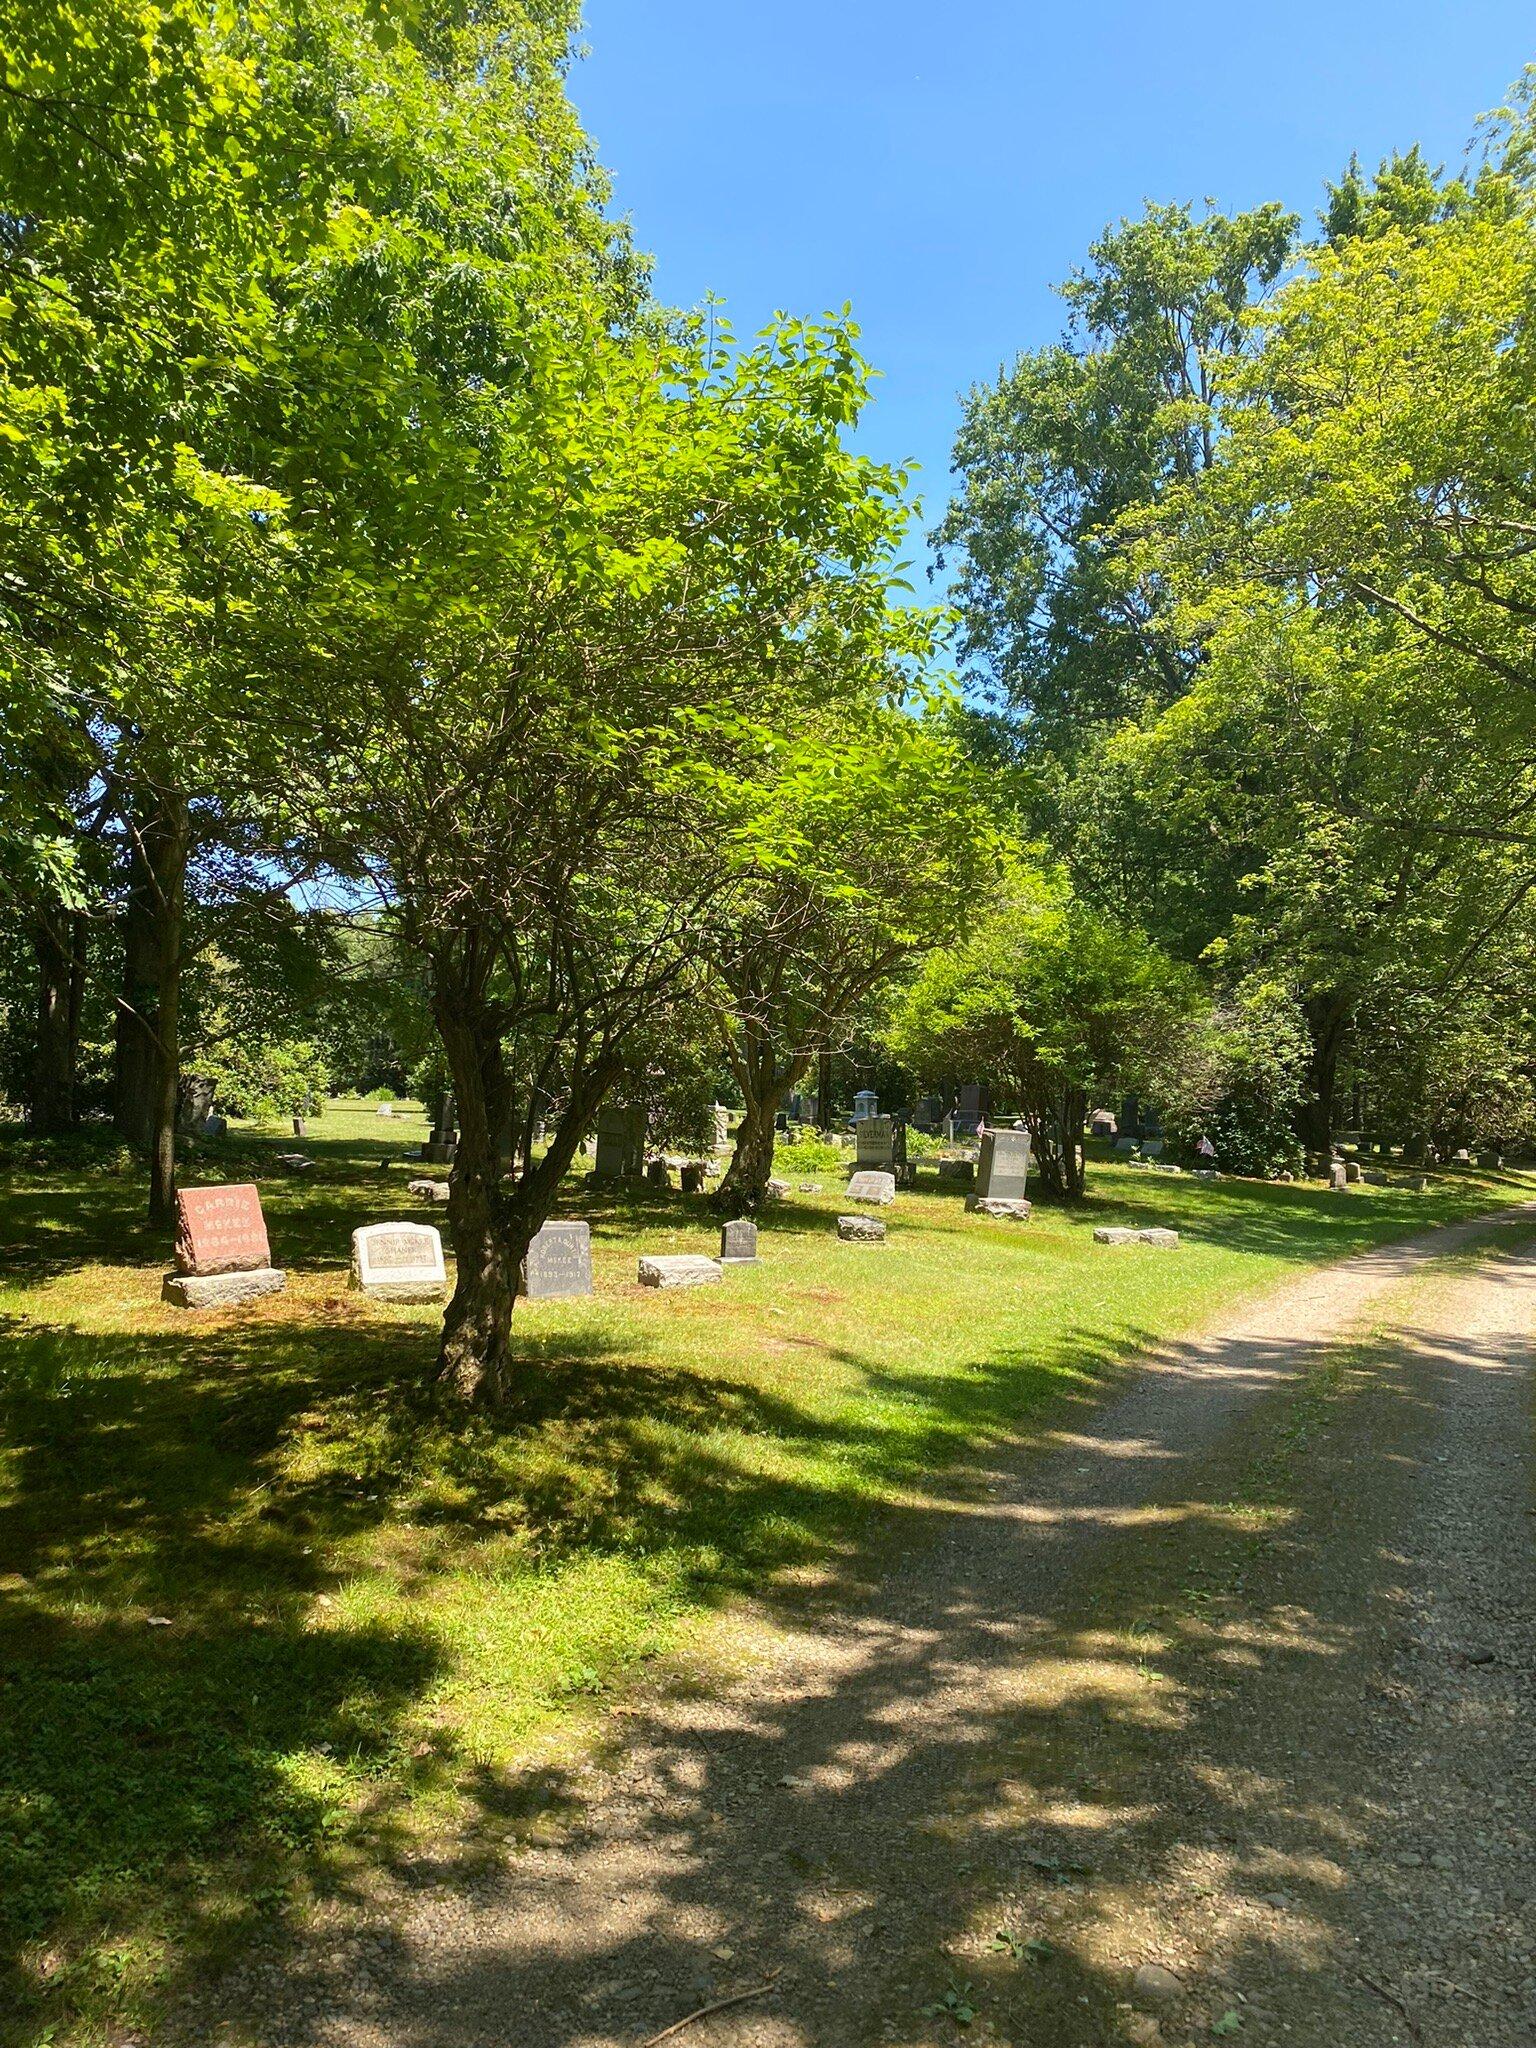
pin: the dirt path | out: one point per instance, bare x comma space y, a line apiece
1236, 1682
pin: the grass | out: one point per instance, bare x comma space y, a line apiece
266, 1614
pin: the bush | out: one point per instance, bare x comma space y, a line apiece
265, 1081
1263, 1048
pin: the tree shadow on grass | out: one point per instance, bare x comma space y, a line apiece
1103, 1684
209, 1479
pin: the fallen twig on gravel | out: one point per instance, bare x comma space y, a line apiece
1392, 1998
704, 2011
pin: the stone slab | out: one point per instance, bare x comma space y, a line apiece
221, 1230
995, 1205
879, 1188
428, 1190
860, 1230
684, 1269
399, 1262
559, 1263
221, 1290
1116, 1234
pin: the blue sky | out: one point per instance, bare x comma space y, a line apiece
941, 166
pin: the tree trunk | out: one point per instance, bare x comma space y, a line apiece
743, 1188
474, 1358
1328, 1021
158, 847
1074, 1112
824, 1091
1055, 1123
493, 1217
170, 848
765, 1084
56, 938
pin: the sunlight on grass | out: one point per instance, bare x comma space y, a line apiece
370, 1609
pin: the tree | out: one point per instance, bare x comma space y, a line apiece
1355, 569
665, 564
1063, 445
1053, 999
870, 847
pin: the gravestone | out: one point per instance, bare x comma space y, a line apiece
222, 1254
1125, 1144
860, 1230
215, 1127
1338, 1176
440, 1148
1117, 1234
738, 1243
722, 1123
687, 1269
693, 1177
1002, 1170
1101, 1123
385, 1109
658, 1174
296, 1162
876, 1142
620, 1142
429, 1190
1353, 1172
1002, 1173
879, 1188
399, 1262
961, 1170
559, 1263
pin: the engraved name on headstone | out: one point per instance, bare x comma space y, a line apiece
559, 1263
220, 1230
399, 1261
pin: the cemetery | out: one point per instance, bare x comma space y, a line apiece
753, 1233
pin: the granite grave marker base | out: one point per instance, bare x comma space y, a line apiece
860, 1230
1115, 1234
685, 1269
1004, 1209
428, 1190
558, 1266
221, 1290
399, 1262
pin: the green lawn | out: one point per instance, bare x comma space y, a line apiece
373, 1611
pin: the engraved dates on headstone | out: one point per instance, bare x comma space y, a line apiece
559, 1263
220, 1230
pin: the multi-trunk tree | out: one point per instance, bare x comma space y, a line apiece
870, 846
